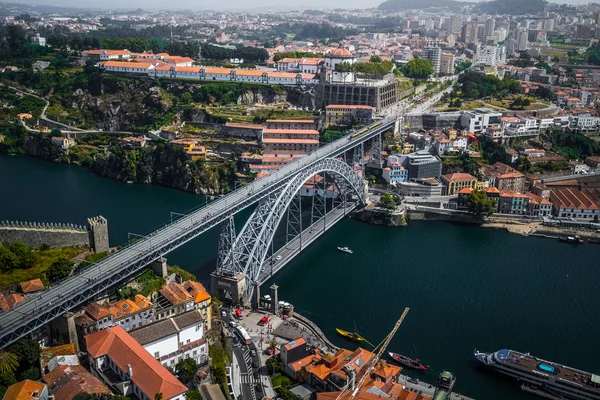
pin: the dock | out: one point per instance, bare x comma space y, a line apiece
427, 389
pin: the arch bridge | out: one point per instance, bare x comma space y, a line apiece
339, 165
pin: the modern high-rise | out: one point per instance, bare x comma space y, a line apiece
433, 54
469, 32
490, 27
521, 38
455, 24
447, 64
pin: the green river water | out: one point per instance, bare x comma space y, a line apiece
467, 287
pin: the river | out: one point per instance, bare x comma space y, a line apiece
467, 287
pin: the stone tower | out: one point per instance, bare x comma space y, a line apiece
98, 231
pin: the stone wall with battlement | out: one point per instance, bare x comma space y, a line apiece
36, 234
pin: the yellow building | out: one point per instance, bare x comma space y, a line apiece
202, 299
457, 181
408, 148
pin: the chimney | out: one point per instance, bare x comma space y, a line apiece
130, 370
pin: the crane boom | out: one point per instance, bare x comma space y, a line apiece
375, 359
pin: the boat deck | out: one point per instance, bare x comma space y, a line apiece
572, 375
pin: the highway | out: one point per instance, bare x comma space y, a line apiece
77, 289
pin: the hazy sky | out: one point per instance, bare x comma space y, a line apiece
206, 4
225, 5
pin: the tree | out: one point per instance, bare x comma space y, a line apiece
28, 353
6, 379
273, 345
158, 396
387, 201
479, 205
418, 68
186, 369
23, 253
193, 395
8, 260
8, 362
60, 269
375, 58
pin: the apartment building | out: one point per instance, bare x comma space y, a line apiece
433, 54
174, 339
447, 64
124, 364
339, 114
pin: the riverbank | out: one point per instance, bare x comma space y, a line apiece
538, 229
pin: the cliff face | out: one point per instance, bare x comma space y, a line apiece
165, 165
125, 103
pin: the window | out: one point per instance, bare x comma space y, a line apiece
195, 352
172, 361
187, 341
157, 354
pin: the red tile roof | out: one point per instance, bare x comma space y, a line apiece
577, 199
34, 285
458, 176
24, 390
175, 293
65, 382
148, 374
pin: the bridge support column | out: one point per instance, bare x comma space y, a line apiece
274, 299
235, 285
256, 296
160, 267
376, 149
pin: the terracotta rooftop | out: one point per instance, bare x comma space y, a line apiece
24, 390
458, 176
65, 382
148, 374
587, 199
175, 293
198, 291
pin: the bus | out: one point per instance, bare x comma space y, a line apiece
244, 335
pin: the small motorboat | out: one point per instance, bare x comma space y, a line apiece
595, 241
345, 250
571, 239
407, 361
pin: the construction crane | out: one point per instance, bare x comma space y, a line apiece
382, 346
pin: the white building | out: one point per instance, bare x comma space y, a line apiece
39, 40
107, 55
490, 55
479, 119
527, 126
128, 368
175, 339
582, 123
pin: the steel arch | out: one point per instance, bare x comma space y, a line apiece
251, 245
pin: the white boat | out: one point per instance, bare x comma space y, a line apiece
345, 250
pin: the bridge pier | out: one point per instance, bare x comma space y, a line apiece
256, 296
235, 285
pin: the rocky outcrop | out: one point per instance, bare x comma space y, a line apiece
377, 216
